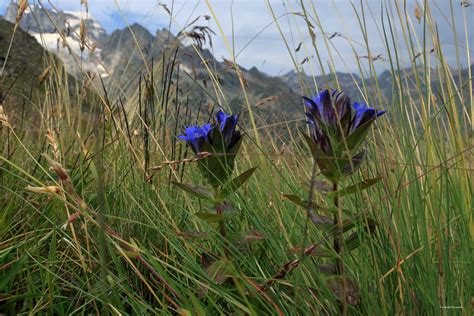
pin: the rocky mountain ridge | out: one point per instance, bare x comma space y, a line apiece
124, 56
60, 33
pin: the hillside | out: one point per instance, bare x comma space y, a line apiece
124, 56
59, 32
23, 67
24, 81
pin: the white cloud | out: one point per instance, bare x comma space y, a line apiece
268, 51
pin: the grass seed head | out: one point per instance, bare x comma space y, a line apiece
86, 4
418, 13
3, 117
44, 75
82, 35
52, 189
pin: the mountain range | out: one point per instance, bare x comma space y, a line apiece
121, 59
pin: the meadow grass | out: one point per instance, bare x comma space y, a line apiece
103, 239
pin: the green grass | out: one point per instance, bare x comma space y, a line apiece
419, 260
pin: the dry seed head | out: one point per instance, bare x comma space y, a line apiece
92, 49
71, 219
57, 168
22, 6
266, 100
82, 35
62, 174
44, 75
3, 117
52, 189
84, 2
53, 143
418, 13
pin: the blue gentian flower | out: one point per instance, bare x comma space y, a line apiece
363, 115
323, 110
221, 140
338, 128
195, 136
227, 125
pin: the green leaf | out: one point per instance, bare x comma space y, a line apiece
347, 225
246, 237
355, 139
218, 271
354, 240
212, 217
341, 285
318, 220
349, 166
207, 259
317, 252
304, 204
4, 253
194, 235
10, 274
218, 167
195, 190
356, 187
233, 185
328, 269
326, 163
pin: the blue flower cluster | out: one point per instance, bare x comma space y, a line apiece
198, 136
219, 138
338, 128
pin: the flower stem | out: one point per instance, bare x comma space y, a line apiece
221, 223
338, 236
338, 248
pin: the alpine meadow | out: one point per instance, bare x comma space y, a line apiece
236, 157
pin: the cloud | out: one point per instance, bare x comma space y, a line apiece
249, 25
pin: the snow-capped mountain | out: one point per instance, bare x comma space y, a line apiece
125, 55
59, 32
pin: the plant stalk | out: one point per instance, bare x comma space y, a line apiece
338, 248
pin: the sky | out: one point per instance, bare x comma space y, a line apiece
247, 28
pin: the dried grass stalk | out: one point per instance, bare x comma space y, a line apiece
22, 6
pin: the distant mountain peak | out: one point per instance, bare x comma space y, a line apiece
58, 32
